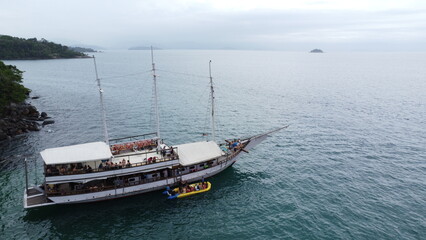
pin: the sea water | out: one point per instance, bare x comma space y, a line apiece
351, 165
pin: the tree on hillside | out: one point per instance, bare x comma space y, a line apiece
21, 48
11, 89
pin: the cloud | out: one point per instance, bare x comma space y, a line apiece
274, 25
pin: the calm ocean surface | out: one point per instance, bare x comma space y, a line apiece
352, 164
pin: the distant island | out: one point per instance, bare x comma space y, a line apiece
144, 48
13, 48
316, 50
82, 49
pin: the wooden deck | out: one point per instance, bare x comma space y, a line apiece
32, 192
38, 200
35, 197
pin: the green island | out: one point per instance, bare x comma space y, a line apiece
14, 48
82, 49
17, 116
316, 50
11, 89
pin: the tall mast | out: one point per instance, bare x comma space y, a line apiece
212, 96
26, 176
102, 103
157, 114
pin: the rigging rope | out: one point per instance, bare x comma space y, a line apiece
186, 74
126, 75
158, 70
171, 72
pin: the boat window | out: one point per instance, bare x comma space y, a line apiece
154, 175
192, 167
202, 165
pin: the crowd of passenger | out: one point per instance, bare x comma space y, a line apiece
72, 188
185, 188
234, 144
133, 146
166, 151
193, 187
79, 168
68, 169
109, 165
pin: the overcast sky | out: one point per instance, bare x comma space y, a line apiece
290, 25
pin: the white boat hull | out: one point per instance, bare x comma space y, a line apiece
133, 190
35, 197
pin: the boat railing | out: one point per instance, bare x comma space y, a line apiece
131, 138
134, 153
146, 161
235, 151
52, 193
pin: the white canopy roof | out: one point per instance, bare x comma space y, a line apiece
193, 153
77, 153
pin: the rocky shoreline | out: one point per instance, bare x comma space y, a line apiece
21, 118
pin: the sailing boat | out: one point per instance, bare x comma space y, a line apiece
132, 165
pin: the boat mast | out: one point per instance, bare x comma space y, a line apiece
157, 114
212, 96
102, 103
26, 176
